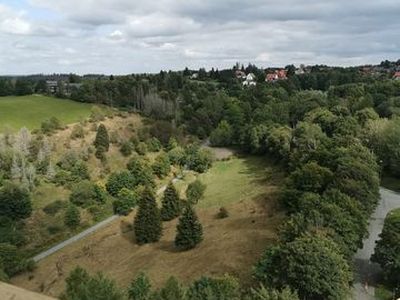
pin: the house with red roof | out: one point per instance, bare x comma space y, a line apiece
396, 76
277, 75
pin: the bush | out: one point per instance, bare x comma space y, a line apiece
126, 149
84, 194
222, 288
72, 216
102, 141
161, 165
11, 260
177, 156
127, 200
195, 191
223, 213
53, 229
198, 160
15, 202
141, 171
153, 145
140, 288
54, 207
77, 132
117, 181
50, 125
222, 135
141, 148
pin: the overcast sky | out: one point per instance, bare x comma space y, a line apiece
130, 36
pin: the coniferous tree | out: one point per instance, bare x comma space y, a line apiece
189, 230
147, 224
171, 207
102, 140
72, 216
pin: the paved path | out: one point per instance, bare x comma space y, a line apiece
86, 232
365, 270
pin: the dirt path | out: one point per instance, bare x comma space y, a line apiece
366, 271
86, 232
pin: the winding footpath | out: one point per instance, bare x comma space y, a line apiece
366, 271
86, 232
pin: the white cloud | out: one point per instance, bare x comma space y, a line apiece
125, 36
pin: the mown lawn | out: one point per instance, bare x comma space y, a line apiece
30, 111
238, 179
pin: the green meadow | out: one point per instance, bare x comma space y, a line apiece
30, 111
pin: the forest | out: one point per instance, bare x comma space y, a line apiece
334, 131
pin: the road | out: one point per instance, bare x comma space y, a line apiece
86, 232
366, 271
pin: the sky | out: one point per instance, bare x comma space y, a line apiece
133, 36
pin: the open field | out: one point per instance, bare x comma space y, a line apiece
30, 111
231, 245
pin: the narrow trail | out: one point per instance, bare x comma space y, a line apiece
86, 232
366, 271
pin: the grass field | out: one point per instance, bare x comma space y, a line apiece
30, 111
247, 187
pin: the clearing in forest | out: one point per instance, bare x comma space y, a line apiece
30, 111
246, 187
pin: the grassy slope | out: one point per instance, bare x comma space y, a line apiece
247, 187
30, 111
235, 180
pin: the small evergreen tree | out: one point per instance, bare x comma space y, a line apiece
140, 288
147, 224
102, 141
72, 216
171, 207
195, 191
172, 290
189, 230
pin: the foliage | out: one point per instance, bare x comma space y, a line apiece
54, 207
126, 200
177, 156
387, 249
12, 260
118, 181
80, 285
147, 224
102, 141
222, 135
272, 294
161, 165
171, 204
50, 125
126, 148
72, 216
15, 202
153, 145
85, 193
140, 288
195, 191
172, 290
189, 231
222, 288
198, 159
141, 171
328, 274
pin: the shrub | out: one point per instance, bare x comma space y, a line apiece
80, 285
140, 288
72, 216
197, 159
161, 165
153, 145
11, 260
147, 224
177, 156
53, 229
117, 181
84, 194
15, 202
195, 191
54, 207
126, 149
172, 290
189, 230
97, 114
127, 199
223, 213
222, 288
50, 125
141, 148
141, 171
77, 132
222, 135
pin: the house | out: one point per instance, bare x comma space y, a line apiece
250, 80
240, 74
52, 86
300, 70
396, 76
277, 75
194, 76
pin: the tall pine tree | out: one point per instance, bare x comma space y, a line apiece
102, 140
189, 230
147, 224
171, 207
